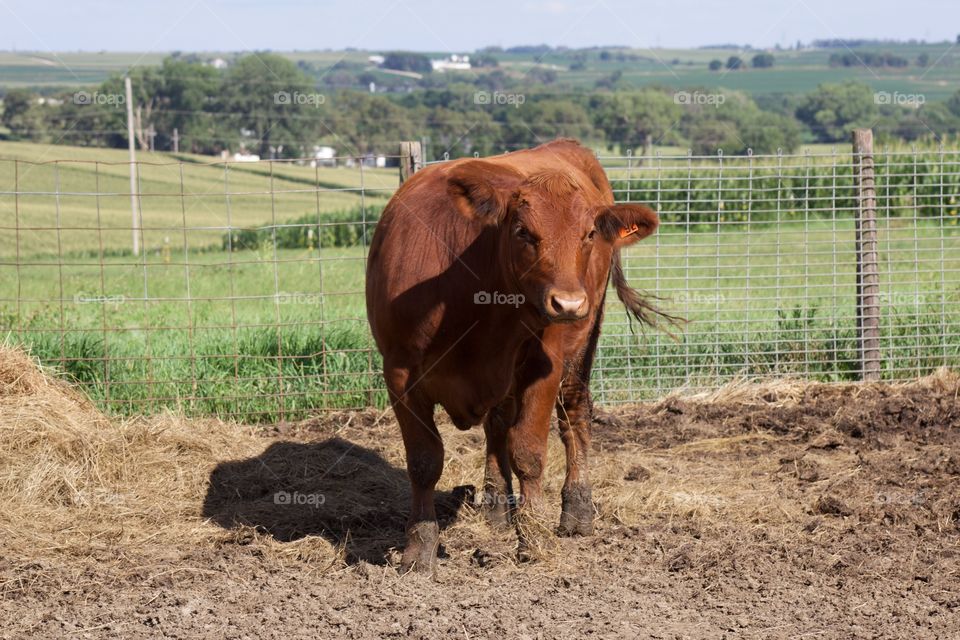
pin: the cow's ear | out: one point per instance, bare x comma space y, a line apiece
483, 190
624, 224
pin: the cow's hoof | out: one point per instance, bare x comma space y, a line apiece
420, 554
576, 518
535, 540
496, 509
526, 552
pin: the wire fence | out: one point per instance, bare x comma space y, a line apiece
246, 300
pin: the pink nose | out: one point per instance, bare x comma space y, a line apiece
567, 305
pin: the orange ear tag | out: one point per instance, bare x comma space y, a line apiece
629, 232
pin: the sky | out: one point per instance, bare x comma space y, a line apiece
425, 25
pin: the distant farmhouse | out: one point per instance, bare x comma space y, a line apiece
453, 63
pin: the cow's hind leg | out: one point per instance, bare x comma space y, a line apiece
497, 478
424, 450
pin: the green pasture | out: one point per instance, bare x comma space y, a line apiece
276, 327
85, 193
267, 334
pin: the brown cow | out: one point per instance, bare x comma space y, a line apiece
485, 288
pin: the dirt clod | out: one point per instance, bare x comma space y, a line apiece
830, 506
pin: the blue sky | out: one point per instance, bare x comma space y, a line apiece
236, 25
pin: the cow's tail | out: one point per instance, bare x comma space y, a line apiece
639, 304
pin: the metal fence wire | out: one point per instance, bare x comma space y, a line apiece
246, 299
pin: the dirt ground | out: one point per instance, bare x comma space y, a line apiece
782, 510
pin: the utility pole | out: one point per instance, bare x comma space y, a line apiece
176, 140
135, 214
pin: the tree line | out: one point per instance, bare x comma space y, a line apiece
266, 104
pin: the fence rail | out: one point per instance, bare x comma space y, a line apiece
247, 299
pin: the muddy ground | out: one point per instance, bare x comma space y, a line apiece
780, 511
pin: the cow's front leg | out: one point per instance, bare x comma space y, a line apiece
497, 478
573, 420
527, 442
424, 449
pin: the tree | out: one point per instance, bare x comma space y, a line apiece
371, 123
611, 82
953, 104
832, 110
734, 63
923, 60
766, 132
186, 97
638, 120
269, 98
19, 115
542, 119
460, 133
762, 61
710, 134
542, 75
716, 65
484, 60
737, 125
579, 62
407, 61
937, 119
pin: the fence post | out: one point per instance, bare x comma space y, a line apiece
411, 159
868, 272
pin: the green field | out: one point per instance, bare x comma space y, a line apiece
766, 278
176, 192
795, 71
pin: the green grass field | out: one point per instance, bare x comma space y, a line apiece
179, 191
795, 71
265, 333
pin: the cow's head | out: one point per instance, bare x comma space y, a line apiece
551, 229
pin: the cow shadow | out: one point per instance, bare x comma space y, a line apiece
333, 488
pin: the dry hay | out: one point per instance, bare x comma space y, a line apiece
75, 484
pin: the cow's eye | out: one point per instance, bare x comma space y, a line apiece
524, 234
589, 237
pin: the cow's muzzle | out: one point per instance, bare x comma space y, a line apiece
566, 306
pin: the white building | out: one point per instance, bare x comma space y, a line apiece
324, 156
453, 63
240, 156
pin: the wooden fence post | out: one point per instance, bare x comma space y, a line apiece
411, 159
868, 272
